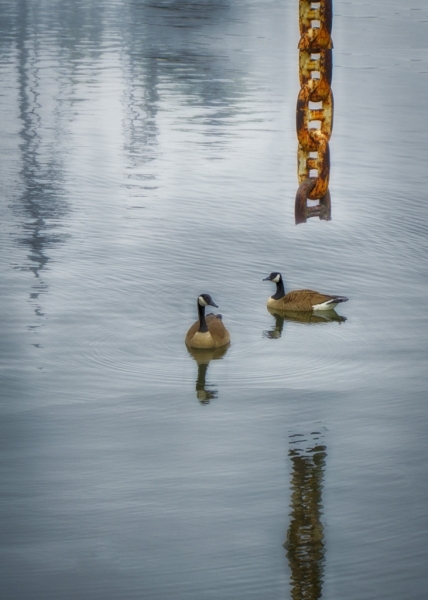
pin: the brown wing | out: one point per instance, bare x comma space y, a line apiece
303, 299
307, 296
217, 329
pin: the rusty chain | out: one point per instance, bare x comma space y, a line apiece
314, 112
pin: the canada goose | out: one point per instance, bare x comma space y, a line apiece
207, 332
300, 300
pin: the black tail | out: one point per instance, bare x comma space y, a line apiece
340, 299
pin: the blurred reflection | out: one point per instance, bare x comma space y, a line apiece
141, 130
301, 317
305, 535
41, 203
173, 52
203, 358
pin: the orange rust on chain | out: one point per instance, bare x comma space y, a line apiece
321, 61
315, 39
308, 13
314, 124
321, 164
306, 115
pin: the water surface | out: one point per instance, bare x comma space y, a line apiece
148, 155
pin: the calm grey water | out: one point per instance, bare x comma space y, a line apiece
148, 153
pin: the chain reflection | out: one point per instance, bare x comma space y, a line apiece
205, 391
305, 536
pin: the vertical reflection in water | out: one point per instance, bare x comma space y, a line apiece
141, 101
203, 394
40, 202
142, 107
177, 45
203, 359
276, 332
305, 535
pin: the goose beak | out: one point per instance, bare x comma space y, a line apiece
266, 278
212, 303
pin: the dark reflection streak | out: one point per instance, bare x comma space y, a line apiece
39, 201
142, 105
276, 332
305, 535
203, 359
203, 394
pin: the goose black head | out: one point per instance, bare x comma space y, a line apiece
275, 277
206, 300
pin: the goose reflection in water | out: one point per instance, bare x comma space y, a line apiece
280, 316
203, 357
305, 536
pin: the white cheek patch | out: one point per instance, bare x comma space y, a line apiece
202, 301
276, 279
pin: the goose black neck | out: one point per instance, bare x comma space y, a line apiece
202, 371
280, 292
202, 323
279, 324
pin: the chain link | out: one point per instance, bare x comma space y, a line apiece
314, 112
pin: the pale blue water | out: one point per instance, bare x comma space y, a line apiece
148, 154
